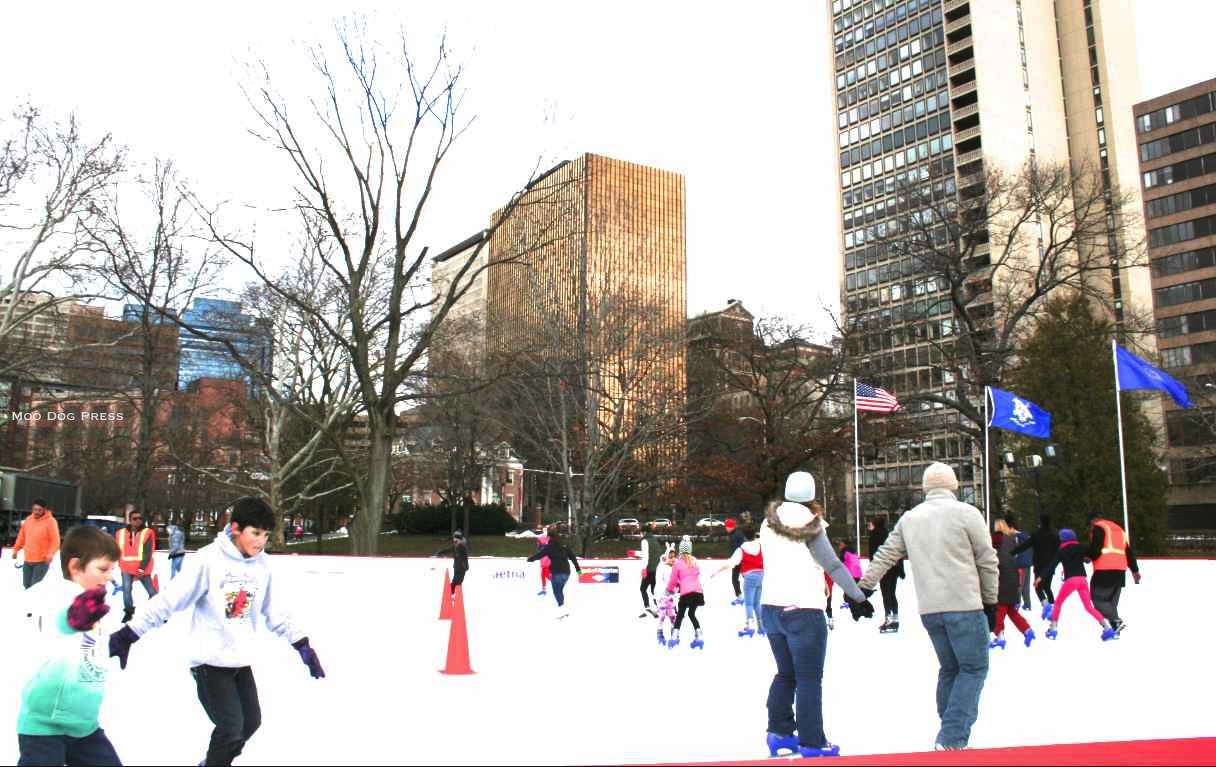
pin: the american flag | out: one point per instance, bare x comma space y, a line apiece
872, 400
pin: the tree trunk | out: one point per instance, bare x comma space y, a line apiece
373, 488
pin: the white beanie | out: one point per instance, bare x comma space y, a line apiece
685, 545
800, 487
939, 476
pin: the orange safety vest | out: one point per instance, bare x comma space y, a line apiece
132, 550
1114, 547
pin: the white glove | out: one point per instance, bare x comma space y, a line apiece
19, 560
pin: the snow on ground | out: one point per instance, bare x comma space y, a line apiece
596, 688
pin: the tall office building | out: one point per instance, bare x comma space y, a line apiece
1177, 135
587, 233
935, 94
209, 357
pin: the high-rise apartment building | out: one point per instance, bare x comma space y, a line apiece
200, 357
935, 94
1177, 152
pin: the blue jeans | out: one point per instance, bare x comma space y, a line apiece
751, 593
175, 566
559, 586
33, 572
961, 642
94, 748
128, 593
799, 640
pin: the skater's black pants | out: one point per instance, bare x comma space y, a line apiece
734, 579
93, 748
1043, 589
890, 603
230, 698
1105, 587
457, 579
647, 586
689, 604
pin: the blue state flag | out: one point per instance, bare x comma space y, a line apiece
1132, 372
1012, 413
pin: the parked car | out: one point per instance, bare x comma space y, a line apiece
662, 523
710, 522
628, 525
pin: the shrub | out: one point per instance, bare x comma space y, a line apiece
486, 519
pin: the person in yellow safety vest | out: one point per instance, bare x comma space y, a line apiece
1111, 554
136, 544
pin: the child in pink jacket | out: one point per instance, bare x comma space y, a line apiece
686, 579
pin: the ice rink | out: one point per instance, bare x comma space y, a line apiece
596, 688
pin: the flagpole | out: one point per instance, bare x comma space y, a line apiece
987, 498
1114, 355
856, 472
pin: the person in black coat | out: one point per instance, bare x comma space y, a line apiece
1045, 542
890, 579
560, 559
736, 540
460, 558
1008, 584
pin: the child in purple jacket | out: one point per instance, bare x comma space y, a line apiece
686, 578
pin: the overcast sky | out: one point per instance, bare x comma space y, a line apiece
736, 97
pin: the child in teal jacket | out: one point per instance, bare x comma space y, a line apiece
60, 703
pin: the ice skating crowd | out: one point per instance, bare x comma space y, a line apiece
968, 581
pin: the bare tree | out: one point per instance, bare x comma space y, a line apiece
596, 400
974, 272
50, 178
388, 141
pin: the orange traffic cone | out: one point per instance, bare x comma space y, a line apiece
445, 600
458, 640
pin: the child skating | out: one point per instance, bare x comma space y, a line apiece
1072, 557
665, 603
686, 578
1008, 585
749, 561
57, 723
229, 589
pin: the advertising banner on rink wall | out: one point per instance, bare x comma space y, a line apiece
600, 574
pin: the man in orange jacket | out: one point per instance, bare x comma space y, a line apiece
1111, 552
135, 545
39, 536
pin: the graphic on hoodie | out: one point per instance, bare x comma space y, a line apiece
238, 599
89, 670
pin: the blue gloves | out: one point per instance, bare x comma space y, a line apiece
309, 656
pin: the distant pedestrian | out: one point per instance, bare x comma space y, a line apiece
39, 539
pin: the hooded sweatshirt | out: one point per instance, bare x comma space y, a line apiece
232, 596
39, 538
63, 695
953, 563
796, 554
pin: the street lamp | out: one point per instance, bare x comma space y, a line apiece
1034, 465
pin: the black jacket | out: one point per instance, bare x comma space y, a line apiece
878, 536
736, 539
1007, 581
560, 558
1072, 555
460, 555
1046, 542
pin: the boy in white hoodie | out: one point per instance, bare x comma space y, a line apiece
230, 591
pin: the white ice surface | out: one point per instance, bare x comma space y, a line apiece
596, 688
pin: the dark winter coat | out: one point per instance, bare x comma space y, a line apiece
560, 557
1024, 557
460, 556
1007, 582
1045, 542
878, 536
736, 539
1072, 556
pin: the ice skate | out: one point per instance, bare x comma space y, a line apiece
827, 749
675, 639
652, 612
697, 643
777, 743
890, 625
1108, 634
541, 593
1030, 637
747, 630
1051, 632
831, 623
1119, 628
998, 642
1047, 610
662, 639
736, 601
